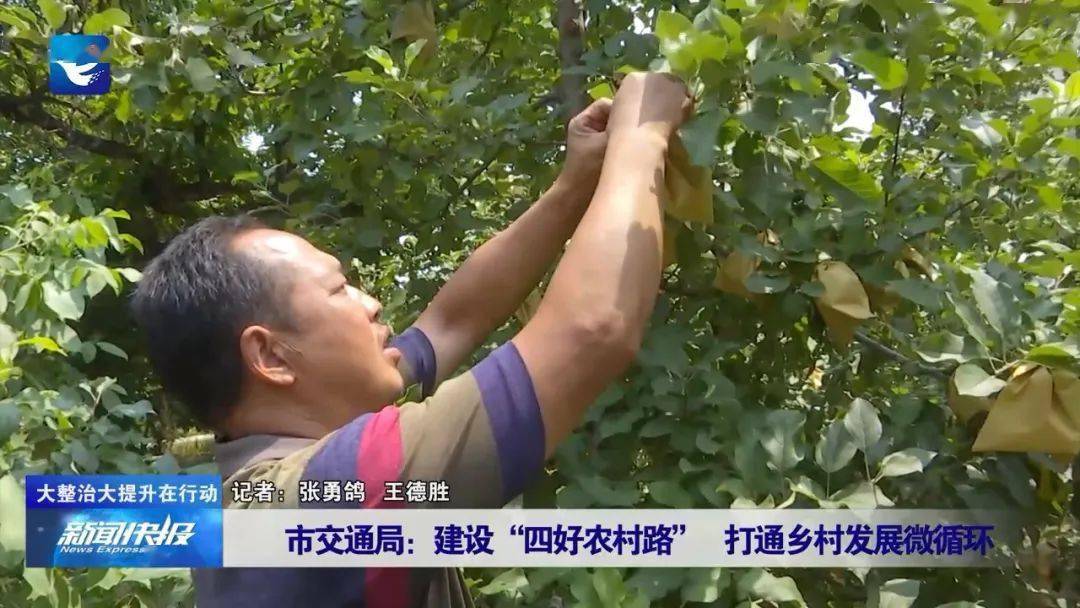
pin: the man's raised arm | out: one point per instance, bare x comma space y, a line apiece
492, 283
592, 318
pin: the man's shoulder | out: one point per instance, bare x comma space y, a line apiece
266, 464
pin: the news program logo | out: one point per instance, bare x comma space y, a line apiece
75, 65
118, 537
128, 521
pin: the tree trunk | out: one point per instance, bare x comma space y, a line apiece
571, 24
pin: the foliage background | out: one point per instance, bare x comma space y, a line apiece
402, 157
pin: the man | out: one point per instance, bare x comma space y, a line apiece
259, 332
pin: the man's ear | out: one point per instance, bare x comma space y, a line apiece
265, 356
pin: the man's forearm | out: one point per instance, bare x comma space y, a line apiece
491, 284
613, 262
593, 315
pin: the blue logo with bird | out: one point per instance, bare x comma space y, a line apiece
75, 65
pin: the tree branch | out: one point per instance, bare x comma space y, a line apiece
452, 10
881, 349
895, 148
27, 110
476, 173
164, 192
495, 29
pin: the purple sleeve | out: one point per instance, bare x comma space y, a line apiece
418, 357
514, 414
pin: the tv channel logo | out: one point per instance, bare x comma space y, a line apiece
130, 521
75, 65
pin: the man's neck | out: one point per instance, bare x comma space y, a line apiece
276, 418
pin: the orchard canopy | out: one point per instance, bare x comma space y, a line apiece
871, 297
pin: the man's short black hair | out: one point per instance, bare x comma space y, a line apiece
194, 300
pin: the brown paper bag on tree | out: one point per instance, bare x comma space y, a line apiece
733, 270
882, 298
671, 235
732, 273
688, 187
915, 260
415, 21
971, 390
1037, 411
844, 305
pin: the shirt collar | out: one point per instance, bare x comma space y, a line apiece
231, 456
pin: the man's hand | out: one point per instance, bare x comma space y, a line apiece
650, 103
498, 276
591, 321
586, 140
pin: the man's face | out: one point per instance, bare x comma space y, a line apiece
339, 352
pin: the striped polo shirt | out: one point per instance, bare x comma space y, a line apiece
481, 432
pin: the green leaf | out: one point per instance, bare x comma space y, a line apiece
203, 78
980, 128
919, 291
412, 51
42, 343
86, 460
1069, 145
8, 342
995, 302
1072, 87
705, 584
18, 194
609, 586
610, 493
249, 177
848, 175
12, 514
888, 72
54, 12
112, 349
985, 74
103, 22
66, 304
1051, 355
670, 493
241, 57
836, 448
130, 274
670, 25
602, 90
95, 229
859, 495
9, 419
111, 578
780, 438
364, 76
863, 423
973, 321
760, 584
905, 462
763, 283
972, 381
511, 582
656, 583
985, 14
124, 107
699, 134
898, 593
1050, 197
41, 584
381, 57
702, 47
